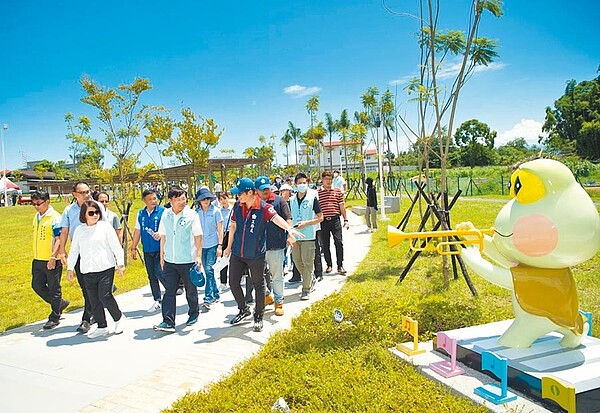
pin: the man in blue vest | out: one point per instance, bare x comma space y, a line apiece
146, 230
276, 242
306, 215
180, 247
247, 246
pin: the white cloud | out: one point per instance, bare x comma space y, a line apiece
297, 91
528, 128
450, 70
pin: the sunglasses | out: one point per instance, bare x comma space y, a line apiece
91, 213
37, 204
83, 192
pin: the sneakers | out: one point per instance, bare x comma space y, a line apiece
205, 307
179, 291
341, 270
120, 323
99, 332
313, 284
164, 327
241, 315
193, 319
305, 296
84, 327
269, 299
258, 323
154, 307
63, 305
278, 309
50, 324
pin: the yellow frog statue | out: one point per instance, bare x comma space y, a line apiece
548, 226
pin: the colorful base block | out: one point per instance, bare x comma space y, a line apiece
444, 368
493, 393
409, 348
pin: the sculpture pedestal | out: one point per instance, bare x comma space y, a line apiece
545, 358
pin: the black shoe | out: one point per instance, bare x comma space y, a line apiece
320, 278
84, 327
50, 324
179, 291
295, 280
63, 305
258, 323
241, 315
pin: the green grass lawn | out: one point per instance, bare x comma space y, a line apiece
319, 365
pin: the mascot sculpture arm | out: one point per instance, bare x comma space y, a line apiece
550, 225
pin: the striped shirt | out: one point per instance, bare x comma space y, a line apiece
330, 201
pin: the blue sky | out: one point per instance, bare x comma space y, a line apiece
233, 61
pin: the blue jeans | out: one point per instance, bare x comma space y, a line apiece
209, 257
152, 263
274, 259
172, 273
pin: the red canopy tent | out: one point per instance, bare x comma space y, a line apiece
8, 184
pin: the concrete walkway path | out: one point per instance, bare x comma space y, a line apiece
142, 370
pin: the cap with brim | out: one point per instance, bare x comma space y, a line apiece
284, 187
262, 182
204, 193
243, 185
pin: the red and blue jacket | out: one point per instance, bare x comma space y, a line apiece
249, 239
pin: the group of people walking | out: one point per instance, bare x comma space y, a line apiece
251, 236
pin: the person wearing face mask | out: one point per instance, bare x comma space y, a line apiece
306, 215
278, 182
339, 182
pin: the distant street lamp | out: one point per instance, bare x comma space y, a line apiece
4, 128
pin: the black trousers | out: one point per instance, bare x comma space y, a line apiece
173, 275
99, 288
224, 271
46, 284
237, 265
87, 306
333, 227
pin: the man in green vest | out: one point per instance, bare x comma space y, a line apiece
46, 268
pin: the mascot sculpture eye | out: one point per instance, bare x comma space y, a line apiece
526, 187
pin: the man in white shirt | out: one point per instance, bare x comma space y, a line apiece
180, 248
339, 182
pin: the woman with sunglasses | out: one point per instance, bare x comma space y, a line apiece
100, 250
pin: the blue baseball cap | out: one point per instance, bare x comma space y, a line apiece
262, 182
243, 185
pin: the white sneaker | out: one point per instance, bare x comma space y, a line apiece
99, 332
154, 307
120, 323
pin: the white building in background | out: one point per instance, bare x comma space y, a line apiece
338, 160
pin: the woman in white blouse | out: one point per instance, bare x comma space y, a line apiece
100, 250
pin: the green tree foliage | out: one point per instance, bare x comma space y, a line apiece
191, 144
575, 120
123, 118
515, 151
295, 133
312, 107
476, 143
286, 139
85, 152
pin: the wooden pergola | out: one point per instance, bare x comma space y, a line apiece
185, 173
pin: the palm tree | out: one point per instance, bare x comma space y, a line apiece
285, 140
312, 106
295, 133
344, 129
331, 126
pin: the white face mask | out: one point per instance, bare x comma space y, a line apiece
335, 175
302, 187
